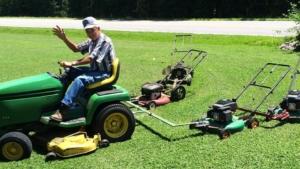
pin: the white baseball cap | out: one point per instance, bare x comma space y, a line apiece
89, 22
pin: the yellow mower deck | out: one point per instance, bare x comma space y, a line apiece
64, 144
74, 144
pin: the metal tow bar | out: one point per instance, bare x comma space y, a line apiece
142, 110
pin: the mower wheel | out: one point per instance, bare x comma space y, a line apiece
178, 93
224, 134
15, 146
51, 156
189, 82
103, 143
114, 122
151, 105
253, 123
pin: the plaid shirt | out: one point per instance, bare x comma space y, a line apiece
101, 51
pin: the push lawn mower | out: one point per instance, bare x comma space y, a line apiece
289, 107
27, 103
220, 119
170, 88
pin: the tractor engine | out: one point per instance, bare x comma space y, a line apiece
152, 90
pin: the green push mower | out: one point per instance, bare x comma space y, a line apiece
220, 117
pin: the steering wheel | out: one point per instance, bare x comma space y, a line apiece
73, 69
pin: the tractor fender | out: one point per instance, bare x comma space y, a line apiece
105, 98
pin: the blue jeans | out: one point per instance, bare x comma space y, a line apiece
82, 79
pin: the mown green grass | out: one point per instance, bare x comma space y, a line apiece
230, 64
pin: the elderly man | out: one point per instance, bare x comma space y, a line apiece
100, 56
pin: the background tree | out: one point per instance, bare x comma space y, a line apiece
147, 9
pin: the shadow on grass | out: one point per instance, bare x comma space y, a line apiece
166, 138
272, 127
281, 123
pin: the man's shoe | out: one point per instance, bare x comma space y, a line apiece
60, 114
56, 117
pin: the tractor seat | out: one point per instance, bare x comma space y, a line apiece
106, 83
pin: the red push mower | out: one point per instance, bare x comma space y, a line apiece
289, 107
220, 119
170, 88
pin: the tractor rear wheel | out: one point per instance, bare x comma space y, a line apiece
15, 146
114, 122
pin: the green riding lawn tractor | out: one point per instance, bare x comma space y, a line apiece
27, 103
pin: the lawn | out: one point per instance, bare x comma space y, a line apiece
231, 62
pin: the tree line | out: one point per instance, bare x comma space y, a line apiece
147, 9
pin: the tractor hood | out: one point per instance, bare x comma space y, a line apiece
24, 86
23, 100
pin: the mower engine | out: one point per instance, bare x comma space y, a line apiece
179, 71
226, 103
291, 101
152, 90
222, 111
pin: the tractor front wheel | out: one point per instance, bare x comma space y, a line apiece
15, 146
114, 122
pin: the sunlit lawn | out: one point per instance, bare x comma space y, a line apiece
231, 63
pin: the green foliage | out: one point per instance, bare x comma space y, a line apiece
147, 9
294, 14
39, 8
231, 62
